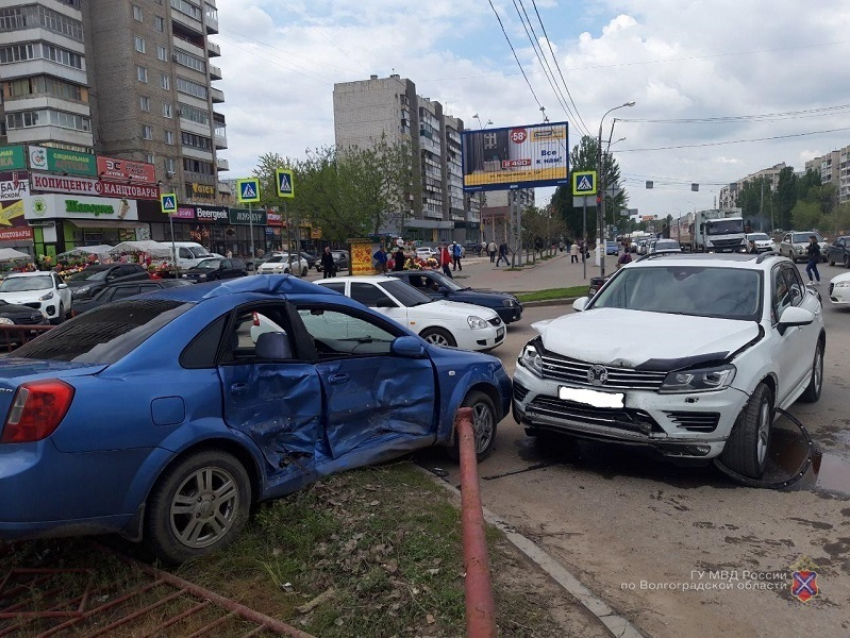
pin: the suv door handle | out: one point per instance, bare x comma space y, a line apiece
339, 378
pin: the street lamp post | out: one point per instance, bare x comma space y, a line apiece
601, 211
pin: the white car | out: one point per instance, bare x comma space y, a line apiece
44, 291
445, 323
721, 342
424, 252
284, 264
839, 289
762, 241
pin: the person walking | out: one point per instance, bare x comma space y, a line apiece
813, 251
446, 261
491, 249
328, 265
457, 253
380, 258
399, 260
503, 254
582, 247
574, 253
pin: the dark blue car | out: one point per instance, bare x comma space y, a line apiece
164, 417
438, 286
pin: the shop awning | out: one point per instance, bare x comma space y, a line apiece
106, 223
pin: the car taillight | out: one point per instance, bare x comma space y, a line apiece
37, 410
256, 319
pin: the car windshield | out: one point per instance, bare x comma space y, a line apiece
199, 252
758, 237
728, 293
666, 244
89, 274
803, 238
451, 284
406, 294
725, 226
208, 264
22, 284
104, 334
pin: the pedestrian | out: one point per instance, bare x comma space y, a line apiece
582, 247
491, 249
503, 254
380, 258
574, 253
625, 258
457, 253
752, 248
446, 261
813, 251
399, 259
328, 265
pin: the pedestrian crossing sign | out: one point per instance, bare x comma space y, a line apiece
168, 201
285, 184
584, 183
248, 190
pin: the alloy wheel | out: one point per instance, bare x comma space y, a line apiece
204, 507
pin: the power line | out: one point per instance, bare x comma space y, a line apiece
276, 61
519, 64
766, 117
755, 139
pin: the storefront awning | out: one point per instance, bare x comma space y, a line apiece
106, 223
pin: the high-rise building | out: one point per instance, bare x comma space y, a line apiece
729, 194
834, 168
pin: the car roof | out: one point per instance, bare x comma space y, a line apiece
374, 279
28, 274
259, 284
749, 261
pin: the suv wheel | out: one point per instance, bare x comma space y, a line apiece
746, 449
812, 391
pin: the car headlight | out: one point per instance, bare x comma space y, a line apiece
530, 358
5, 321
800, 249
510, 303
841, 284
78, 292
46, 297
699, 379
476, 323
202, 276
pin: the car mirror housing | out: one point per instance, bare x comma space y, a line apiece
580, 304
62, 286
795, 316
407, 347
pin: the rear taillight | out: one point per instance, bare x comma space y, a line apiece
256, 319
37, 410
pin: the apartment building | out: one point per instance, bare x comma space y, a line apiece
120, 78
834, 168
729, 194
367, 110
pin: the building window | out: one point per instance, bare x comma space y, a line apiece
142, 74
159, 24
196, 141
29, 119
189, 60
147, 132
191, 88
188, 8
164, 81
61, 56
17, 53
193, 113
150, 158
198, 166
144, 103
32, 16
162, 53
46, 85
169, 164
169, 137
137, 14
166, 109
140, 44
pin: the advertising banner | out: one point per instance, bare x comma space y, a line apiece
239, 216
121, 170
274, 219
14, 186
72, 207
184, 212
515, 157
12, 214
212, 214
57, 160
89, 186
13, 158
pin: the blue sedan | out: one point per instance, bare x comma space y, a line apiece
165, 417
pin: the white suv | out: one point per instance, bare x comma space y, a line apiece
689, 354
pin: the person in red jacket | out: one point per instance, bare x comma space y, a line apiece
446, 261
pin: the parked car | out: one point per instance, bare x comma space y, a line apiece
283, 264
839, 289
723, 341
440, 322
424, 252
215, 269
794, 244
44, 291
437, 286
116, 292
642, 244
838, 252
92, 279
612, 247
18, 315
189, 254
472, 248
762, 242
666, 245
209, 422
310, 258
341, 260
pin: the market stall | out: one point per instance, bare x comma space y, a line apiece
156, 256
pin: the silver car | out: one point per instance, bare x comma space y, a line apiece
794, 244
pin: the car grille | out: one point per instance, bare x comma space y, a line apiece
33, 304
495, 321
726, 244
31, 320
573, 371
695, 421
520, 391
625, 419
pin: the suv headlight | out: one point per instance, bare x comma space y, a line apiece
841, 284
510, 303
46, 297
699, 379
530, 358
5, 321
476, 323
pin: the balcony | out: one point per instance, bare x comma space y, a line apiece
220, 138
187, 22
217, 95
211, 20
215, 72
213, 49
224, 188
222, 164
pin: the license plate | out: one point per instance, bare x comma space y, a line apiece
500, 332
613, 400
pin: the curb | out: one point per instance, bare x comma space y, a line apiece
549, 302
618, 626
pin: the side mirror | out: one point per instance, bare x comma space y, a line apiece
795, 316
407, 347
581, 303
62, 286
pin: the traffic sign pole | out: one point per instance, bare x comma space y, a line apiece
251, 230
584, 238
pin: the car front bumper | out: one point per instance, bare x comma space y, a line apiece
839, 295
509, 314
694, 426
480, 339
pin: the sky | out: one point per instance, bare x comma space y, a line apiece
774, 69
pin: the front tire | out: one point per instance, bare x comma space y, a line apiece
484, 421
746, 449
304, 272
438, 337
846, 261
813, 390
198, 506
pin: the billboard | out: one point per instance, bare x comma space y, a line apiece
123, 170
516, 157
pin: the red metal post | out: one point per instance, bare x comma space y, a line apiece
480, 608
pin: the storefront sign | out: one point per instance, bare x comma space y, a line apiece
133, 191
274, 219
11, 213
184, 212
123, 170
202, 190
57, 160
61, 206
87, 186
13, 186
12, 158
212, 214
16, 234
240, 216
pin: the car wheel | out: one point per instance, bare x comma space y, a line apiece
813, 390
484, 420
831, 262
846, 261
746, 449
304, 272
197, 506
438, 337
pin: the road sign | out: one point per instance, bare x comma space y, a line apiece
168, 201
584, 183
285, 183
248, 190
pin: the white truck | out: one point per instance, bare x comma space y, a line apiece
714, 231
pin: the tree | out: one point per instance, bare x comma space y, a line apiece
806, 215
754, 200
785, 197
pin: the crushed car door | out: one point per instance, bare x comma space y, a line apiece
270, 393
369, 392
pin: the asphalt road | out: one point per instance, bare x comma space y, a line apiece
637, 529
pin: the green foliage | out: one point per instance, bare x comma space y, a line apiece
785, 197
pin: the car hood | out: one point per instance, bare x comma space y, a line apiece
842, 277
455, 310
24, 296
650, 340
